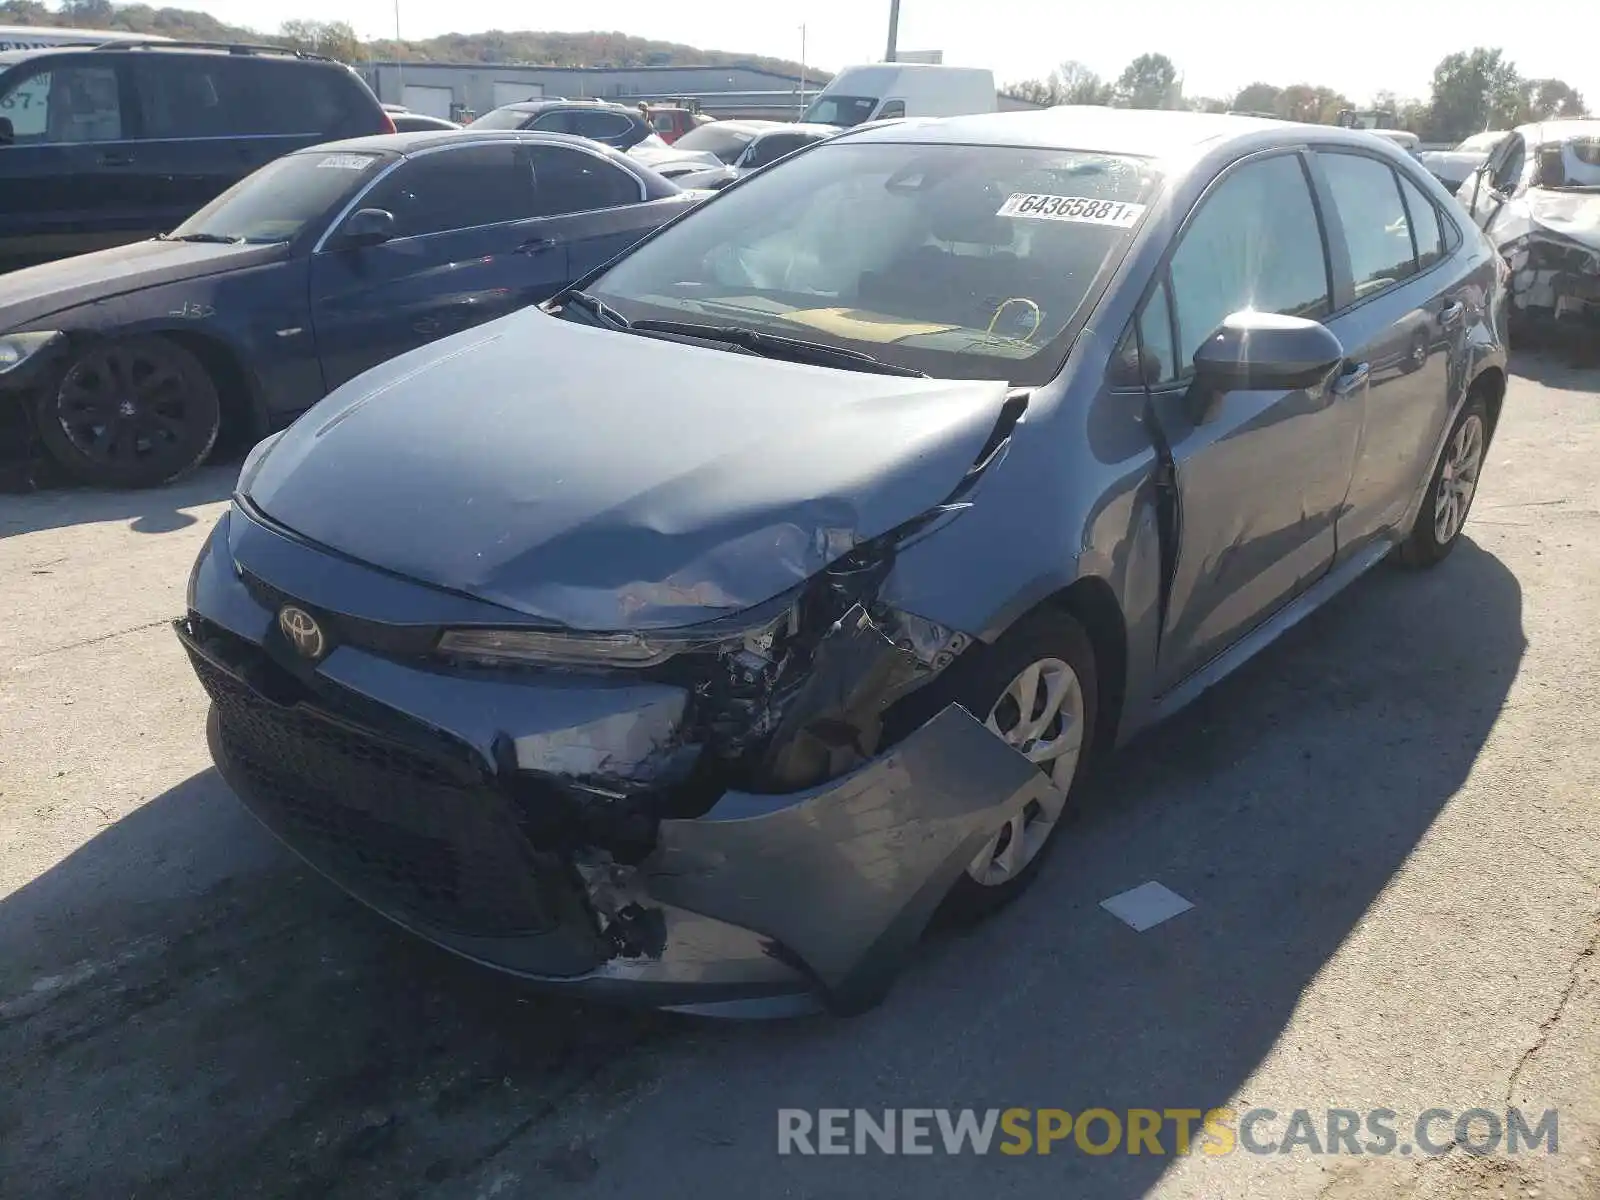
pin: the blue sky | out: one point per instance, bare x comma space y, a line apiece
1357, 46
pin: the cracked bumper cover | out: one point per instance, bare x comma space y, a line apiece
763, 904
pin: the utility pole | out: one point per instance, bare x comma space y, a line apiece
802, 72
399, 55
894, 29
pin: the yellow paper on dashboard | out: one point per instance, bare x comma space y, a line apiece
863, 326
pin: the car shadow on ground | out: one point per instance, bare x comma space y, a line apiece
1574, 367
147, 510
196, 1015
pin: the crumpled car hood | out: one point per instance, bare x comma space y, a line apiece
1574, 216
602, 480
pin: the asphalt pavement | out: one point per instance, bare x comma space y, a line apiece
1387, 827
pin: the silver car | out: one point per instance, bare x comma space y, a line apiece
695, 638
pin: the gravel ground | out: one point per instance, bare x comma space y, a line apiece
1387, 825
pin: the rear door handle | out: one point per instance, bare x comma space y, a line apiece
1353, 379
1450, 314
116, 158
537, 245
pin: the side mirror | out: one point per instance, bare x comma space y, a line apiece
366, 227
1262, 351
8, 131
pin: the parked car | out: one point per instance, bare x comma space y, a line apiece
694, 637
1454, 167
105, 145
319, 266
609, 124
711, 146
765, 148
410, 122
672, 121
1538, 198
880, 91
1406, 140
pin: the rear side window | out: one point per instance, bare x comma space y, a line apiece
568, 181
1426, 230
63, 103
1367, 195
601, 126
455, 189
1255, 243
194, 96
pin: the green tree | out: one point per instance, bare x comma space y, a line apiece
1258, 97
1474, 90
1149, 81
1314, 105
332, 39
1544, 99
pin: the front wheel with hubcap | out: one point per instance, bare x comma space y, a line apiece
1451, 490
131, 413
1035, 690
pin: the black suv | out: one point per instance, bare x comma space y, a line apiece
613, 124
102, 145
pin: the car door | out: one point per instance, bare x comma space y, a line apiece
1403, 312
1486, 193
590, 207
459, 256
65, 184
1260, 477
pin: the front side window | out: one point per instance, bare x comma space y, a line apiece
961, 261
893, 108
840, 110
65, 103
456, 189
1255, 243
1376, 232
569, 181
283, 198
772, 147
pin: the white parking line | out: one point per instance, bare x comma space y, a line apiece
1146, 906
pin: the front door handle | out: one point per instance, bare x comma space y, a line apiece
1352, 379
1451, 314
116, 158
537, 245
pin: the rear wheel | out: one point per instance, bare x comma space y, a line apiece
1035, 689
1451, 491
132, 413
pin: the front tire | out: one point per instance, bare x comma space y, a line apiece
1451, 490
131, 413
1036, 689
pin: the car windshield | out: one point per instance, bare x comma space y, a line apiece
727, 144
277, 202
840, 110
501, 118
1481, 143
1579, 159
958, 261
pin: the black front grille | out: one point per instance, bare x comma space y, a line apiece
395, 826
392, 641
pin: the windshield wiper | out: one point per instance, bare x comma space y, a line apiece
217, 238
772, 345
595, 307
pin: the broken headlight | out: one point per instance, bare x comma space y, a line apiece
553, 648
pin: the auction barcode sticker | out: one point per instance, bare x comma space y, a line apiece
1084, 209
346, 162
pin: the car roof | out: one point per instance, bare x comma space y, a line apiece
530, 106
1142, 133
429, 139
1560, 131
811, 129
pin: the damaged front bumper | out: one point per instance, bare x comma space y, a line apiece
1555, 278
495, 814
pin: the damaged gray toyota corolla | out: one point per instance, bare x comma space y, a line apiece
694, 639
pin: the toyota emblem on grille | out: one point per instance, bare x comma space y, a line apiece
303, 632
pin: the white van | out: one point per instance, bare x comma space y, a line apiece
41, 37
883, 91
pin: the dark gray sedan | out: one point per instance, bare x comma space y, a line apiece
695, 638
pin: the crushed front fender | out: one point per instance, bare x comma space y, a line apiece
846, 875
